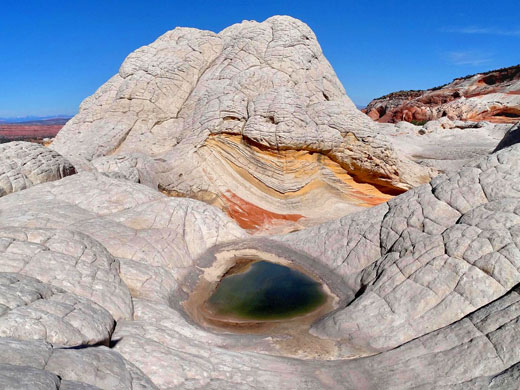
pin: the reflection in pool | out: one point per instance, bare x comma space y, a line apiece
266, 291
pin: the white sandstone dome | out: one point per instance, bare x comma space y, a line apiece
250, 119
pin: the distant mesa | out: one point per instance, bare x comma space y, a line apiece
33, 119
25, 164
34, 129
492, 96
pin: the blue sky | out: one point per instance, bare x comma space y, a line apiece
56, 53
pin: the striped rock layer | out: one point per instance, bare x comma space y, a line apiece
250, 119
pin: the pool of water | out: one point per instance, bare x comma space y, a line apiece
266, 291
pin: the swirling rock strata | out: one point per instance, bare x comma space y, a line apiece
425, 286
427, 282
250, 119
426, 258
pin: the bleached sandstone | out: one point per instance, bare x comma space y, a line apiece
426, 258
434, 273
30, 310
40, 365
24, 164
511, 137
252, 119
69, 260
446, 145
426, 284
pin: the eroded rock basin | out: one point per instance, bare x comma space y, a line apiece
262, 290
273, 299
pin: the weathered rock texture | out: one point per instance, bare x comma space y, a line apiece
30, 309
24, 164
425, 259
252, 119
426, 286
446, 145
39, 365
66, 259
511, 137
492, 96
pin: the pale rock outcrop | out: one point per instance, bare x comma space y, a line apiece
24, 164
39, 365
425, 287
153, 238
465, 119
252, 119
135, 167
445, 144
511, 137
477, 352
69, 260
427, 284
30, 309
425, 259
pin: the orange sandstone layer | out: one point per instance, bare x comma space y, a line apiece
251, 217
274, 191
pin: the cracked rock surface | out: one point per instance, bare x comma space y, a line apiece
40, 365
427, 282
252, 120
69, 260
24, 164
426, 258
30, 309
98, 270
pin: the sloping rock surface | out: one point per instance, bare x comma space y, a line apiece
66, 259
426, 283
492, 96
39, 365
24, 164
252, 119
512, 137
447, 145
30, 309
426, 258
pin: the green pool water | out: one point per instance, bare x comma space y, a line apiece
266, 291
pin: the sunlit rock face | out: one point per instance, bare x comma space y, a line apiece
426, 287
24, 164
99, 270
492, 96
252, 120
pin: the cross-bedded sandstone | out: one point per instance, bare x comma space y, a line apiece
255, 111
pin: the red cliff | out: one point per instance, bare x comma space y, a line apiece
492, 96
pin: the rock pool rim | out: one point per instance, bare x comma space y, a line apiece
234, 261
